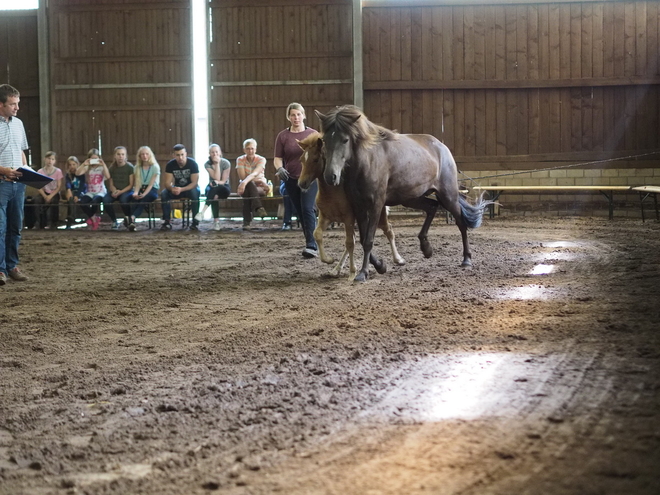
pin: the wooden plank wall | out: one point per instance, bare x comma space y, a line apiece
513, 85
121, 69
266, 54
19, 66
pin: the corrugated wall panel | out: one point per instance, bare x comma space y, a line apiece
517, 79
264, 55
121, 71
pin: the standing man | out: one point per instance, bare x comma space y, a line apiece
180, 179
13, 143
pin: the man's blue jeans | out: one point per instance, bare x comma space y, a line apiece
166, 196
12, 195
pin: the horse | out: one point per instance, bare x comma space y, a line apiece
380, 167
333, 206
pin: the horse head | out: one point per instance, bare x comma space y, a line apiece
337, 142
311, 160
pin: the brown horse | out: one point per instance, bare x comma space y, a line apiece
381, 167
333, 206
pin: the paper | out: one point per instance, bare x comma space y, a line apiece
32, 178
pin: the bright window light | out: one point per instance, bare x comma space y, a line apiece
19, 4
200, 89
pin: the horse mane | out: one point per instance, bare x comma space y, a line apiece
349, 119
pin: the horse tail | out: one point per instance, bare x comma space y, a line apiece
473, 213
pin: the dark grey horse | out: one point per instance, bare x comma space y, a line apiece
380, 167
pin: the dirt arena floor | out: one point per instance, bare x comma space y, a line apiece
223, 362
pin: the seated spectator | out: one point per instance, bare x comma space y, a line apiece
120, 187
145, 184
180, 180
250, 169
48, 200
218, 188
96, 172
75, 188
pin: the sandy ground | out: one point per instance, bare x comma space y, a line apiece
222, 362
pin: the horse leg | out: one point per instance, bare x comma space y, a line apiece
455, 209
349, 250
386, 227
429, 206
318, 237
367, 225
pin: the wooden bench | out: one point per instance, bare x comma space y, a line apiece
646, 192
496, 191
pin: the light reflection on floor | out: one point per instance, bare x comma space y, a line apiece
560, 244
527, 292
464, 386
542, 269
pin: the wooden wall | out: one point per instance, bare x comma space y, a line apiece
121, 70
266, 54
510, 85
19, 66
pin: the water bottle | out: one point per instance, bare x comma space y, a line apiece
270, 191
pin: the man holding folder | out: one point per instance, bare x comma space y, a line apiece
13, 143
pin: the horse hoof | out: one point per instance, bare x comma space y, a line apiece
426, 248
400, 262
466, 264
361, 277
381, 267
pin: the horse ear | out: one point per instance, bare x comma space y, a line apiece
319, 143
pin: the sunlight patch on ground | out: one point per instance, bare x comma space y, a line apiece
560, 244
542, 269
528, 292
466, 386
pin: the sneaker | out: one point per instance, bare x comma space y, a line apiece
16, 274
216, 225
166, 226
199, 217
90, 222
3, 278
286, 226
126, 222
261, 212
310, 252
115, 225
131, 227
194, 227
96, 221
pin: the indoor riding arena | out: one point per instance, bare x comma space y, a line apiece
220, 360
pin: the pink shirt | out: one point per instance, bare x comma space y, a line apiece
55, 175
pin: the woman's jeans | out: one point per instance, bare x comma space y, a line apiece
138, 205
93, 208
304, 202
222, 191
124, 201
47, 210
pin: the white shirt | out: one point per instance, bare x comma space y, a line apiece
13, 142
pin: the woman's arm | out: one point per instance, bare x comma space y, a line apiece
214, 172
225, 175
151, 184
